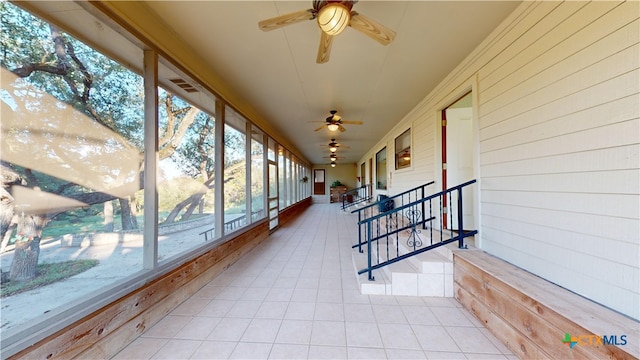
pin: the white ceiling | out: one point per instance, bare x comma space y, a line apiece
276, 72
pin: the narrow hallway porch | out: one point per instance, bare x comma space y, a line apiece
296, 296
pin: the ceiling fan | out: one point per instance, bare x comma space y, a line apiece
333, 157
333, 146
333, 17
334, 122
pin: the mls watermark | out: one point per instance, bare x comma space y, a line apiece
594, 340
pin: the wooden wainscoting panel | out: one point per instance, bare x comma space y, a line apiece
513, 339
293, 211
532, 315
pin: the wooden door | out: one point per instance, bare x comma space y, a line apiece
318, 182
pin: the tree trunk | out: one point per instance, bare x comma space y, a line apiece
193, 199
129, 221
27, 250
108, 216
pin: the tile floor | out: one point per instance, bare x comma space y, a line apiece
296, 297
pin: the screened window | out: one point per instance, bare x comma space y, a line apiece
73, 163
257, 174
72, 154
381, 169
235, 171
403, 150
282, 177
186, 153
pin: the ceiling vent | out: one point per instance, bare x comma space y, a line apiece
184, 85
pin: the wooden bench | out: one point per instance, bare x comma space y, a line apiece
532, 316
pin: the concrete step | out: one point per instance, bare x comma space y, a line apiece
426, 274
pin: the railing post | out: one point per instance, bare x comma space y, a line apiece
359, 232
424, 224
460, 225
369, 251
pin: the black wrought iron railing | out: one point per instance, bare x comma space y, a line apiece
356, 196
407, 230
387, 203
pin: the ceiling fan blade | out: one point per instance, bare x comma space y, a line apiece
324, 49
352, 122
286, 19
320, 128
341, 128
372, 28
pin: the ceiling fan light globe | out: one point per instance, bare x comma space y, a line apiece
333, 164
333, 18
333, 149
333, 127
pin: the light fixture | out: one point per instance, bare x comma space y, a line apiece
333, 18
333, 164
333, 126
333, 157
406, 156
333, 147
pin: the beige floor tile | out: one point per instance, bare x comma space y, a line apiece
405, 354
363, 335
191, 306
168, 327
289, 351
213, 350
217, 308
419, 315
300, 311
366, 353
295, 332
272, 310
327, 352
231, 293
398, 336
244, 309
471, 340
435, 338
389, 314
296, 296
177, 349
251, 351
279, 294
330, 333
443, 355
255, 293
451, 316
359, 313
229, 329
329, 312
198, 328
262, 330
141, 348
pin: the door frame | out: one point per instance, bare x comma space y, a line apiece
274, 221
443, 140
319, 188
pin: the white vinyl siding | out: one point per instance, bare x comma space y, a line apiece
557, 120
559, 133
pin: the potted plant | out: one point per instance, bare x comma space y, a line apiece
304, 179
336, 183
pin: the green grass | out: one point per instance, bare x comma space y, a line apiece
48, 274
